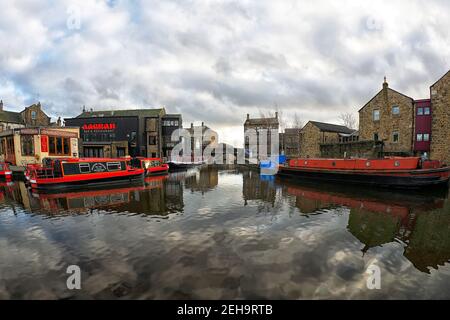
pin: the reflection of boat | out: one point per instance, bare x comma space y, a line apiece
152, 166
5, 171
57, 174
180, 165
394, 172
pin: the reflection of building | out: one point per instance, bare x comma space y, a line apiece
253, 188
30, 145
117, 133
205, 180
30, 116
262, 129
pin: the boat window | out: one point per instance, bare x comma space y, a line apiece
84, 168
113, 166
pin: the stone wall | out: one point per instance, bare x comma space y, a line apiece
41, 118
403, 123
440, 133
356, 149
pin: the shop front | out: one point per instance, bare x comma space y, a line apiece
23, 146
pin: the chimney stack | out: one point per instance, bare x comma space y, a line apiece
248, 116
385, 84
1, 105
59, 122
192, 125
276, 114
203, 124
84, 108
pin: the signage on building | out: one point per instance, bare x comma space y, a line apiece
59, 133
98, 126
44, 143
29, 131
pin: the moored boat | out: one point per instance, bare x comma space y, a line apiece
63, 173
393, 172
152, 166
5, 171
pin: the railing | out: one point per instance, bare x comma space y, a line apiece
44, 173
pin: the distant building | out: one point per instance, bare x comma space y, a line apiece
117, 133
388, 117
170, 123
315, 133
31, 116
201, 137
262, 128
292, 142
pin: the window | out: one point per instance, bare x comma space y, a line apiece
395, 136
27, 144
419, 137
113, 166
33, 115
375, 136
426, 137
419, 111
84, 168
395, 110
376, 115
426, 111
59, 146
152, 140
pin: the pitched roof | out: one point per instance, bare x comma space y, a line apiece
329, 127
123, 113
381, 92
440, 78
262, 121
10, 116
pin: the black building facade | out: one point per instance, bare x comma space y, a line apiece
119, 133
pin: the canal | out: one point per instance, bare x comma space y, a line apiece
224, 234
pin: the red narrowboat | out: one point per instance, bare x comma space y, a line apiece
5, 171
392, 172
152, 166
65, 173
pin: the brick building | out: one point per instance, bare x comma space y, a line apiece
389, 117
262, 129
314, 133
31, 116
440, 126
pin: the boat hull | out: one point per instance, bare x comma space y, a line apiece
414, 179
91, 183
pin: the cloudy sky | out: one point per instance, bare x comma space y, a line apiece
216, 61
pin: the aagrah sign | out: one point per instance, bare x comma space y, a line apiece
99, 126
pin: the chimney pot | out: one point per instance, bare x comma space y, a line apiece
248, 116
203, 124
276, 114
1, 105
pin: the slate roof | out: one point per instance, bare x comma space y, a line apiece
329, 127
262, 121
123, 113
11, 117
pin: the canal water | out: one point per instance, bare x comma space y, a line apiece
224, 234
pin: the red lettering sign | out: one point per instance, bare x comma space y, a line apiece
44, 144
99, 126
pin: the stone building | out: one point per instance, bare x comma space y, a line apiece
314, 133
202, 137
31, 116
440, 125
291, 142
258, 137
388, 117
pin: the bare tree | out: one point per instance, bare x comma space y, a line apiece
297, 121
348, 120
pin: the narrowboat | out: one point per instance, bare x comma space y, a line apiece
391, 172
152, 166
64, 173
5, 171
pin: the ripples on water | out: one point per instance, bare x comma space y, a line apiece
212, 234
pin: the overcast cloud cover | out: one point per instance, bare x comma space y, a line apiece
215, 61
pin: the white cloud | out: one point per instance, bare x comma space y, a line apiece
215, 61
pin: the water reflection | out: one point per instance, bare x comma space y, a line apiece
210, 233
